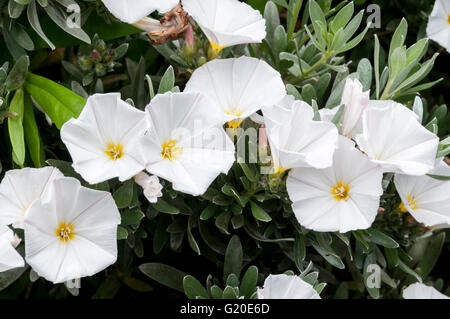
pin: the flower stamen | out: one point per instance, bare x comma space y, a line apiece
114, 151
235, 123
340, 191
412, 203
65, 232
170, 150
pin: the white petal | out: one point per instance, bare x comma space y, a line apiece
227, 22
205, 150
393, 138
9, 257
94, 218
431, 196
422, 291
17, 194
314, 204
105, 119
131, 11
245, 84
355, 101
286, 287
296, 140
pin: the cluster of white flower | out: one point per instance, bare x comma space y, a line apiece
335, 163
70, 230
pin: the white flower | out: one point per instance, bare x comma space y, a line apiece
422, 291
327, 114
296, 140
103, 141
151, 186
341, 198
73, 234
239, 87
131, 11
393, 138
286, 287
20, 188
355, 101
425, 198
9, 257
187, 144
438, 28
227, 22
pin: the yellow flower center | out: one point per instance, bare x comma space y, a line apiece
170, 150
448, 19
114, 151
412, 203
216, 47
340, 191
278, 169
235, 123
65, 232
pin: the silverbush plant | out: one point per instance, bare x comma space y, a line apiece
225, 242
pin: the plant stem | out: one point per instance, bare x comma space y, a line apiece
295, 7
324, 59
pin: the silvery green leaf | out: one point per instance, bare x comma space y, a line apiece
398, 39
61, 18
272, 20
364, 71
33, 18
15, 9
418, 108
341, 19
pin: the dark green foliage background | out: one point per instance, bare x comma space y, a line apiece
125, 280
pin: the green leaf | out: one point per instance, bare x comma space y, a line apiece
249, 281
15, 9
409, 271
398, 39
131, 217
392, 256
382, 239
354, 42
259, 213
370, 260
439, 177
164, 207
365, 73
60, 103
33, 19
280, 39
62, 21
229, 293
122, 233
191, 239
331, 258
432, 254
167, 81
10, 276
32, 138
164, 274
377, 66
124, 194
15, 127
193, 288
108, 289
229, 190
216, 292
341, 19
18, 74
272, 20
233, 258
209, 211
